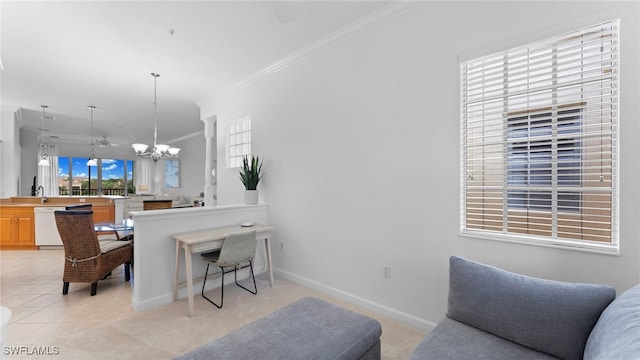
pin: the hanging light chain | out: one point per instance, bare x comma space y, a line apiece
44, 156
158, 151
155, 109
92, 160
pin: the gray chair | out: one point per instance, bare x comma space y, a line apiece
237, 251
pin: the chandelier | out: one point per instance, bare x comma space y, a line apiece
43, 147
159, 151
92, 159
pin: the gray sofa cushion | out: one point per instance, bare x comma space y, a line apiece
549, 316
453, 340
617, 333
309, 328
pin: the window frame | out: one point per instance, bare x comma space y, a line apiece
239, 141
500, 216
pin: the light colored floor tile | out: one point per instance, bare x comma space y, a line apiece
105, 326
18, 300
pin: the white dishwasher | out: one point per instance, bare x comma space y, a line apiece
46, 228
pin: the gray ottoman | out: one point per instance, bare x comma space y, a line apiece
309, 328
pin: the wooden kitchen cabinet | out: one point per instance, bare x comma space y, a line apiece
103, 213
17, 217
17, 228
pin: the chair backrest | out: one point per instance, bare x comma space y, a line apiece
77, 207
156, 204
77, 232
238, 248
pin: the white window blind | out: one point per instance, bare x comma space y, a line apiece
239, 144
539, 141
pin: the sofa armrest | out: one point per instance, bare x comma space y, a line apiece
549, 316
617, 333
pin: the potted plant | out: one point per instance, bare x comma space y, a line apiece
250, 175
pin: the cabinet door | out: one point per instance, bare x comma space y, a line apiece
24, 222
103, 214
6, 229
17, 228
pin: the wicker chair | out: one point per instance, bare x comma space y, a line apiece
76, 207
86, 258
116, 235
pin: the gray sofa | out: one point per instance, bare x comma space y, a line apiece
495, 314
309, 328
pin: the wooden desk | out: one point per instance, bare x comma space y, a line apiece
211, 239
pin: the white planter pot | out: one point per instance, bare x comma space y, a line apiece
251, 197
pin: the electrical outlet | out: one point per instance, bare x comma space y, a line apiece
387, 271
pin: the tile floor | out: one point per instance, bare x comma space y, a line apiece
105, 326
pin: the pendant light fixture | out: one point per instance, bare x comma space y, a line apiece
92, 159
42, 146
159, 151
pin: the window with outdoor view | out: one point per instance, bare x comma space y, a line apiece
110, 177
539, 141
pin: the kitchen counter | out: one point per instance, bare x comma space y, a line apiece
18, 220
56, 200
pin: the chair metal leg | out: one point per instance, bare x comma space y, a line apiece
65, 287
94, 288
127, 272
255, 288
206, 273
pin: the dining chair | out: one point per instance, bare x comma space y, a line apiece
87, 259
116, 235
237, 251
76, 207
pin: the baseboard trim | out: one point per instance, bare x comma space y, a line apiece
394, 314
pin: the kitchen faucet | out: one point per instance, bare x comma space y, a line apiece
40, 190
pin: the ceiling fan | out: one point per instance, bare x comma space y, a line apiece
104, 142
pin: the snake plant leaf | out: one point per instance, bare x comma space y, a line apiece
251, 172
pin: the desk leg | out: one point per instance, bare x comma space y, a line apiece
267, 249
187, 260
175, 284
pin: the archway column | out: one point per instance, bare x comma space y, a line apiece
210, 161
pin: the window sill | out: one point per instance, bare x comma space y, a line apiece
582, 245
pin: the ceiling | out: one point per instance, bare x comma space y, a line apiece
69, 55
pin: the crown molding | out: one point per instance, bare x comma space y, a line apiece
361, 25
195, 134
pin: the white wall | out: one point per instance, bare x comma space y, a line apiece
191, 169
361, 149
28, 161
192, 157
10, 122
